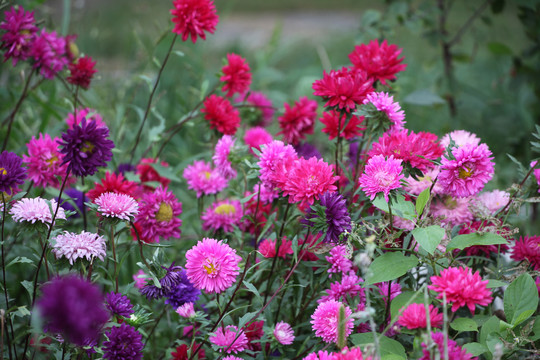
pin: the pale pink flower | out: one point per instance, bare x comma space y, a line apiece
186, 310
460, 138
416, 186
221, 157
454, 211
77, 246
121, 206
275, 161
36, 209
381, 175
414, 317
203, 179
230, 340
385, 103
140, 279
325, 320
284, 333
494, 200
222, 214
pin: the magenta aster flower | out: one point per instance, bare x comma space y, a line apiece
236, 75
230, 339
20, 29
212, 265
460, 138
454, 211
49, 53
381, 175
140, 279
320, 355
307, 180
158, 215
257, 136
44, 161
335, 122
77, 246
348, 288
275, 161
86, 113
284, 333
222, 214
325, 320
223, 148
192, 18
267, 248
262, 104
340, 259
298, 120
124, 342
469, 170
414, 317
528, 248
116, 205
221, 114
203, 179
385, 103
455, 352
462, 288
381, 62
36, 209
12, 173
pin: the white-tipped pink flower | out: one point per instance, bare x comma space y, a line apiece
121, 206
77, 246
36, 209
187, 310
284, 333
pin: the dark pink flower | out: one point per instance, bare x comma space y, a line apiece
257, 136
298, 120
414, 317
262, 104
348, 127
20, 30
528, 248
455, 352
81, 72
45, 161
221, 114
381, 62
236, 75
49, 53
192, 18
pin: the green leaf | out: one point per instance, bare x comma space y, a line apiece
429, 238
388, 346
520, 299
19, 260
389, 267
402, 299
424, 97
421, 201
253, 289
492, 284
498, 48
464, 324
29, 286
245, 318
491, 326
475, 349
464, 241
400, 207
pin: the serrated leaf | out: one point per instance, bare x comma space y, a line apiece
520, 299
421, 201
429, 238
464, 324
464, 241
390, 266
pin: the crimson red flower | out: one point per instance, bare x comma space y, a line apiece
181, 352
81, 72
148, 174
236, 76
334, 121
221, 114
254, 331
343, 88
112, 183
298, 120
193, 18
381, 62
528, 248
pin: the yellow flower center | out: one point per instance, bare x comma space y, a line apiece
3, 171
52, 160
207, 175
465, 172
164, 213
450, 203
87, 147
210, 268
225, 209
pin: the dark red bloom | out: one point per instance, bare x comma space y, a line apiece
148, 174
381, 62
81, 72
181, 352
298, 120
192, 18
254, 331
335, 121
112, 183
236, 76
221, 115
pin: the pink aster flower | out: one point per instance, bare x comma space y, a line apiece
221, 115
414, 317
20, 28
45, 161
455, 352
536, 174
49, 53
416, 186
203, 179
192, 18
395, 290
212, 265
307, 180
222, 214
320, 355
158, 215
385, 103
236, 75
267, 248
284, 333
275, 162
325, 321
340, 260
140, 279
528, 248
266, 195
381, 175
493, 201
262, 104
454, 211
36, 209
335, 122
469, 170
350, 354
121, 206
186, 310
221, 157
230, 340
77, 246
460, 138
381, 62
343, 89
86, 113
348, 288
232, 357
257, 136
298, 120
462, 288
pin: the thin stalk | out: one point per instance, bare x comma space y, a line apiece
140, 244
154, 327
114, 259
4, 207
338, 143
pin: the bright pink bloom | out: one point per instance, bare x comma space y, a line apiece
340, 259
460, 138
203, 179
462, 288
158, 215
267, 248
536, 175
454, 211
343, 89
381, 62
112, 182
212, 265
414, 317
385, 103
116, 205
140, 279
254, 331
284, 333
493, 201
262, 104
186, 310
230, 340
81, 72
222, 151
350, 354
45, 161
528, 248
88, 114
192, 18
221, 114
455, 352
298, 120
325, 320
381, 175
416, 186
20, 29
49, 53
320, 355
222, 214
347, 289
334, 120
36, 209
309, 179
236, 76
232, 357
257, 136
395, 290
275, 162
77, 246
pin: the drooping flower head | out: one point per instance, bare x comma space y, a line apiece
78, 246
335, 123
230, 339
381, 175
36, 209
460, 138
49, 53
221, 114
183, 292
455, 352
74, 308
284, 333
212, 265
298, 120
112, 182
414, 317
222, 214
236, 75
201, 177
275, 161
86, 147
192, 18
381, 62
337, 217
20, 29
158, 215
75, 118
385, 103
257, 136
12, 173
462, 288
44, 161
528, 248
118, 304
325, 321
262, 104
114, 205
468, 171
81, 72
222, 151
124, 342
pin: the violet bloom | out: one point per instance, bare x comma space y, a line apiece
337, 217
124, 343
20, 29
118, 304
184, 292
307, 151
12, 174
172, 278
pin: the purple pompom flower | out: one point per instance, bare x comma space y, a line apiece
337, 217
125, 343
184, 292
118, 304
12, 174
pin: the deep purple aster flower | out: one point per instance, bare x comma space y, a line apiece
12, 173
77, 197
20, 29
307, 151
118, 304
172, 278
85, 147
74, 308
125, 343
337, 217
126, 167
184, 292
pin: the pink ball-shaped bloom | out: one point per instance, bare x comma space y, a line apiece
298, 120
528, 248
19, 30
36, 209
325, 321
212, 265
340, 260
86, 113
284, 333
77, 246
236, 75
192, 18
460, 138
230, 340
121, 206
203, 179
453, 211
222, 214
381, 175
469, 170
186, 310
223, 148
320, 355
49, 53
350, 354
257, 136
381, 62
462, 288
385, 103
414, 317
45, 161
275, 162
221, 114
